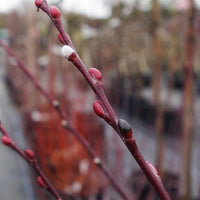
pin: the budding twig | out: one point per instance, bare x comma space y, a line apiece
29, 156
109, 116
64, 122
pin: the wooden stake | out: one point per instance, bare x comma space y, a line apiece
188, 101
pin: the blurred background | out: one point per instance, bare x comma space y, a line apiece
149, 54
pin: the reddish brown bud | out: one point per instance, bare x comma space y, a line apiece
30, 153
6, 140
38, 3
60, 38
55, 12
95, 73
98, 109
72, 57
40, 182
125, 129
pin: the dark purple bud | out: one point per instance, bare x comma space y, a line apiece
98, 109
125, 129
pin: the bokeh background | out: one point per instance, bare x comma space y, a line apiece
149, 54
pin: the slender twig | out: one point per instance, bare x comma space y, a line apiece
29, 156
109, 115
55, 104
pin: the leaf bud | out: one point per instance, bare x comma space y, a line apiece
41, 182
98, 109
6, 140
153, 168
55, 12
38, 3
60, 38
95, 73
30, 153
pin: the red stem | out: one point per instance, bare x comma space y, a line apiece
33, 163
112, 118
62, 115
97, 87
156, 181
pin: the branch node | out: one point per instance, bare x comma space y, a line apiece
97, 161
55, 103
64, 123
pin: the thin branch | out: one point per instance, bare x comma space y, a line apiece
29, 156
97, 86
64, 122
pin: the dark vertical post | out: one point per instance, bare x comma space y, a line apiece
188, 100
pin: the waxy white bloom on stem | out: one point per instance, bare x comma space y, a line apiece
67, 51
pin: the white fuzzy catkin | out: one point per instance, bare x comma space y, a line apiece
67, 51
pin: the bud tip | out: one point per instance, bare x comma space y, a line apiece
55, 12
40, 182
6, 140
30, 153
95, 73
98, 109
